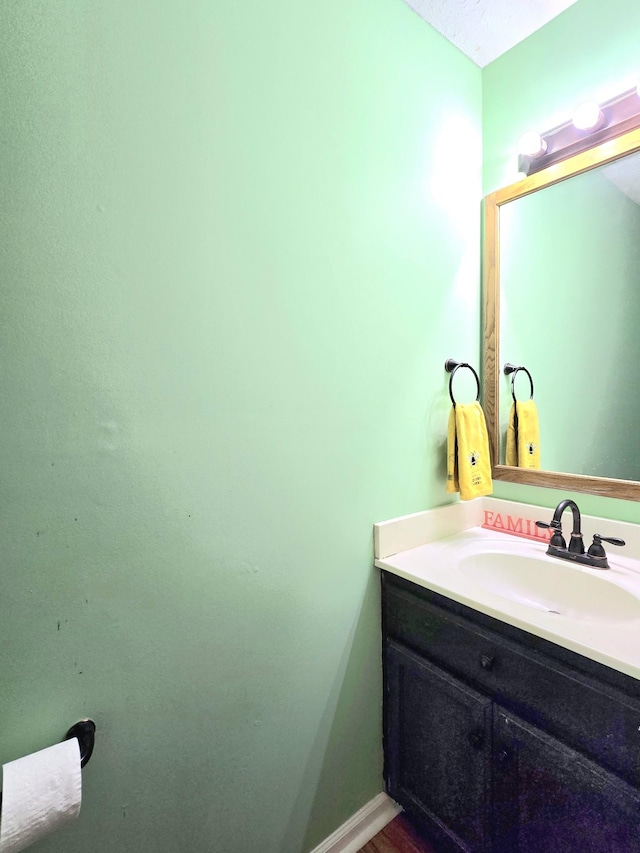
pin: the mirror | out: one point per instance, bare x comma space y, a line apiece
562, 298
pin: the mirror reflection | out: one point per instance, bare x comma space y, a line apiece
561, 297
569, 263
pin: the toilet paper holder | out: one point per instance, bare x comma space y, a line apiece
84, 731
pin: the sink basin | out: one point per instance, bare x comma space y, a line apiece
550, 585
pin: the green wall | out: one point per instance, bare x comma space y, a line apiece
238, 243
582, 53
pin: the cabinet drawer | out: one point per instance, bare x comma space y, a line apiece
594, 718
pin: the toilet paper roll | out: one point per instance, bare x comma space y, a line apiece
40, 793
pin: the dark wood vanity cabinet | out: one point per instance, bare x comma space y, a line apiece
548, 797
437, 750
497, 741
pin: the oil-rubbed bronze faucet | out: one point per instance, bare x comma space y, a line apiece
595, 557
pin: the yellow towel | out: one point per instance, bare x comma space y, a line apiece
512, 438
468, 460
528, 435
452, 454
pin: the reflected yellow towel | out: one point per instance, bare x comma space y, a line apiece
468, 460
528, 435
523, 435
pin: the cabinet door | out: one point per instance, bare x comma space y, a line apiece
438, 751
550, 799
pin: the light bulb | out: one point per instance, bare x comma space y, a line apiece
588, 116
532, 144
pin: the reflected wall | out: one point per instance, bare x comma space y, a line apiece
569, 275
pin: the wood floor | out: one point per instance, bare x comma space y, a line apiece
397, 837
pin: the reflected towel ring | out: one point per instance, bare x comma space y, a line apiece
513, 370
451, 365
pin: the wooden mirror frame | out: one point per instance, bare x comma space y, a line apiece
599, 155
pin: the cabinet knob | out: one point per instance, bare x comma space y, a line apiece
487, 662
502, 756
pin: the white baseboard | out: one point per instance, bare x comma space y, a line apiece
361, 827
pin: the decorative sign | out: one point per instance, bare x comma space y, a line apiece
518, 526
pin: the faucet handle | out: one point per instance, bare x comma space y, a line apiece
557, 540
612, 540
596, 549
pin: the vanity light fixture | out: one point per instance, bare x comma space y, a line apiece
589, 127
588, 116
532, 144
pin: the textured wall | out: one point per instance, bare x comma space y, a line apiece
238, 242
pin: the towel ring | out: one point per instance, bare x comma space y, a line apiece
513, 370
451, 365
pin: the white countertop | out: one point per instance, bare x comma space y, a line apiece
611, 638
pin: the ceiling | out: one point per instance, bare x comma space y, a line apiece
485, 29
